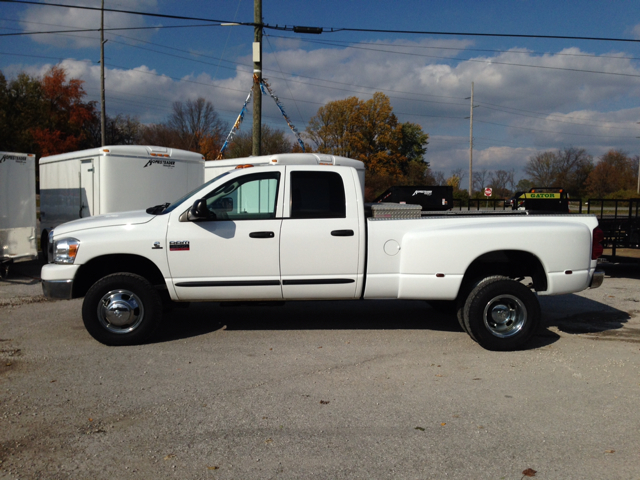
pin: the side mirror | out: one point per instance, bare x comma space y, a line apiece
199, 211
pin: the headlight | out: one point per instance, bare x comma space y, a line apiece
65, 250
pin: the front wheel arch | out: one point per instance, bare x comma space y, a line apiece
100, 267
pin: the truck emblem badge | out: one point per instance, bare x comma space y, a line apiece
156, 246
178, 246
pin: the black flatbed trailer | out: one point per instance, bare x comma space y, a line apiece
619, 219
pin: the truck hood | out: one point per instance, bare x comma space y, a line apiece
107, 220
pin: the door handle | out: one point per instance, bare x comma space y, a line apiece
342, 233
262, 234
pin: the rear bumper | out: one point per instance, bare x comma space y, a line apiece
597, 279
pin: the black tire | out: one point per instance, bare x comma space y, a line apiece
450, 307
501, 314
122, 309
43, 254
460, 315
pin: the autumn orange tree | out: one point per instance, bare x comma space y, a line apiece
64, 114
393, 152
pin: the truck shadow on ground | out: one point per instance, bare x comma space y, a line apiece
622, 267
574, 314
202, 318
570, 314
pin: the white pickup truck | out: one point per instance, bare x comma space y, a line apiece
286, 231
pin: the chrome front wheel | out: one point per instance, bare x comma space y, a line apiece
122, 309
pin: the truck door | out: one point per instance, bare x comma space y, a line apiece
236, 254
86, 188
320, 249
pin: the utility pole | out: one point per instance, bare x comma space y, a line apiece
257, 77
103, 115
638, 191
471, 143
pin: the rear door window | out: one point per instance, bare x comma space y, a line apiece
317, 195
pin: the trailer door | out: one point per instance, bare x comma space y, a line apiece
86, 188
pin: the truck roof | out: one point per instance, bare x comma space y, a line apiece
287, 159
138, 151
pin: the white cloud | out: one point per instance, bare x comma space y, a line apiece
636, 31
521, 109
40, 18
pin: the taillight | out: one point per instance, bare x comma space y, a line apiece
598, 237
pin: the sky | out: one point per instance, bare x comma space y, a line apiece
530, 94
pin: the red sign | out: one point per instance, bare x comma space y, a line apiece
487, 192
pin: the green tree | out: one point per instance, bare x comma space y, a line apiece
120, 130
23, 108
272, 141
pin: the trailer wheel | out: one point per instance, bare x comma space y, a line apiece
501, 314
122, 309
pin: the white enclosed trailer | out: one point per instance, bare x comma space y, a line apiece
113, 179
18, 223
213, 168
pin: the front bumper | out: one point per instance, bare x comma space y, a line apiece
61, 289
597, 279
57, 280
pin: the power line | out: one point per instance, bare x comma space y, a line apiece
249, 69
559, 121
53, 32
554, 131
475, 34
491, 62
334, 29
459, 49
130, 12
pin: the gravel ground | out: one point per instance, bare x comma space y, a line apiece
340, 390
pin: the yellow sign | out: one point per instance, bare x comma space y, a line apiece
542, 195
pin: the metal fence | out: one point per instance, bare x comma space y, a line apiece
481, 204
619, 219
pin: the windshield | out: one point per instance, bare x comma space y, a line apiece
176, 204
